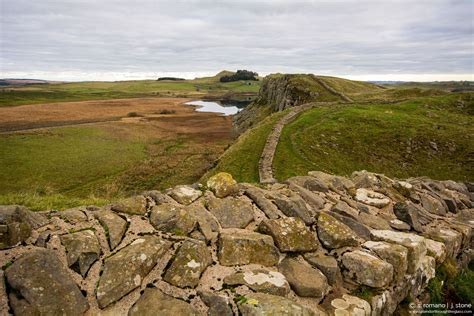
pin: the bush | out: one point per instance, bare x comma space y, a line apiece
240, 75
167, 111
134, 114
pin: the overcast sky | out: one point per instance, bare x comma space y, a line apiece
120, 39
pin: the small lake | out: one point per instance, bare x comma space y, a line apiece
215, 107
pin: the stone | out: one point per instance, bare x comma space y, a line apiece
449, 237
394, 254
345, 210
261, 280
260, 304
159, 197
154, 302
222, 184
231, 212
174, 219
16, 224
357, 227
207, 223
305, 280
295, 206
125, 270
326, 264
240, 246
313, 200
436, 250
184, 194
190, 261
455, 186
135, 205
333, 182
371, 198
41, 285
367, 180
265, 205
399, 225
309, 183
415, 245
366, 269
219, 305
373, 221
290, 234
408, 213
432, 205
73, 215
404, 188
82, 250
114, 226
334, 234
349, 305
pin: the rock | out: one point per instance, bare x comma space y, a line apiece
222, 184
371, 198
349, 305
326, 264
450, 238
398, 224
260, 304
309, 183
261, 280
270, 210
335, 183
404, 188
295, 207
219, 305
394, 254
82, 249
436, 250
41, 285
159, 197
207, 223
231, 212
345, 210
406, 212
305, 280
334, 234
190, 261
114, 226
125, 270
455, 186
415, 244
290, 234
155, 302
3, 295
174, 219
135, 205
367, 180
184, 194
16, 223
366, 269
433, 205
73, 215
313, 200
240, 246
373, 221
358, 228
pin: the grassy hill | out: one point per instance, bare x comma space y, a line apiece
423, 136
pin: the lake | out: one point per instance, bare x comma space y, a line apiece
215, 107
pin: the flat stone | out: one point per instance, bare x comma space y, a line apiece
82, 250
155, 302
261, 280
295, 206
290, 234
365, 269
305, 280
357, 227
449, 237
222, 184
114, 226
265, 205
41, 285
408, 213
436, 250
125, 270
16, 224
373, 221
190, 261
313, 199
73, 215
172, 218
333, 182
159, 197
371, 198
432, 205
260, 304
219, 305
207, 223
240, 246
350, 305
135, 205
184, 194
326, 264
231, 212
308, 182
345, 210
399, 225
334, 234
415, 244
394, 254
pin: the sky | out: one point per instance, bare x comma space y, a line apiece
77, 40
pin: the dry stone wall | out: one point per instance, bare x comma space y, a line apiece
302, 247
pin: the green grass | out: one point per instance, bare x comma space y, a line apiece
340, 139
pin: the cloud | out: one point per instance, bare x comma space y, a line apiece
84, 38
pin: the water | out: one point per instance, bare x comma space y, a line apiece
215, 107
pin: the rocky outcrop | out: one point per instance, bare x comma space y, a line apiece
308, 246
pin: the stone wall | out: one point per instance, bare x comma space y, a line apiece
303, 247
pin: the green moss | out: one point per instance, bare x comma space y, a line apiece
7, 264
364, 292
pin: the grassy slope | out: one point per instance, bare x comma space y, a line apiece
81, 91
342, 139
